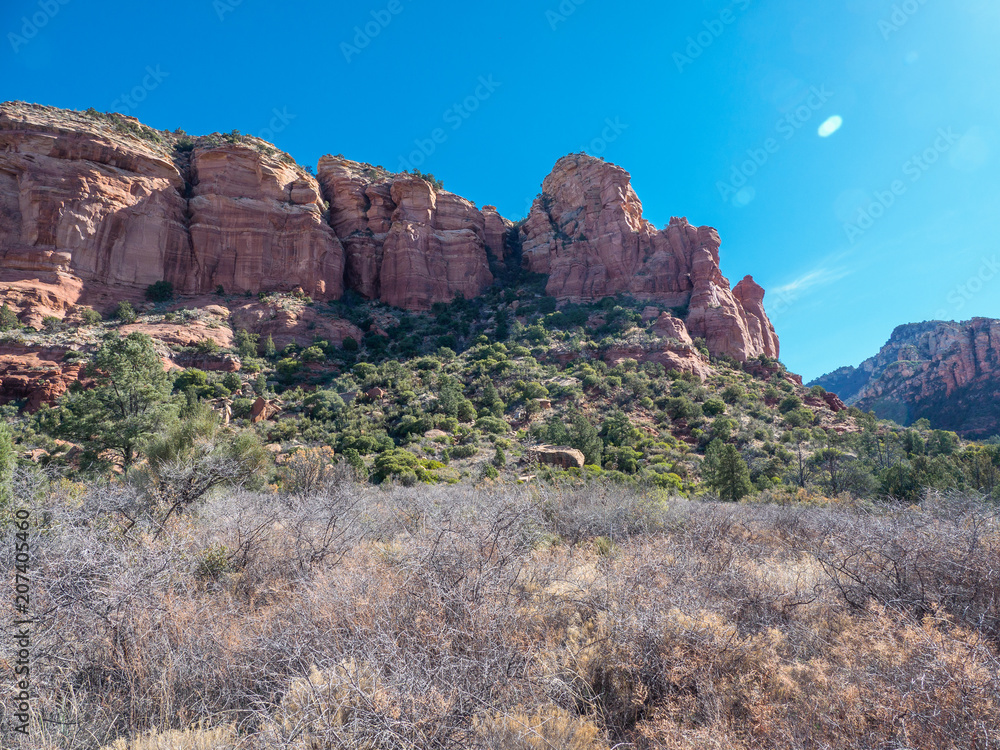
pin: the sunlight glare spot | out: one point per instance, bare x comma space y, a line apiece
831, 126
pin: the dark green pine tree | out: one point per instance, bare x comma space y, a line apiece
725, 471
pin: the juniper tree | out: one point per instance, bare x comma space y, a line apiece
128, 402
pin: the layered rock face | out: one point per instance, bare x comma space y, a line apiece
257, 224
94, 208
586, 232
85, 205
946, 372
79, 202
407, 243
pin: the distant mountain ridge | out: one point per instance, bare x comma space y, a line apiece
947, 372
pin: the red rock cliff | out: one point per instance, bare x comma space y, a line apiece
94, 208
944, 371
407, 243
90, 203
587, 233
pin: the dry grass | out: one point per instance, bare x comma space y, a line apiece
437, 617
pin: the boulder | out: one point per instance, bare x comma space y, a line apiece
561, 456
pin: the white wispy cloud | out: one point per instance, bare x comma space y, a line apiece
817, 277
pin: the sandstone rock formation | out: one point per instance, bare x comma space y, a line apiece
95, 207
407, 243
288, 323
90, 203
946, 372
563, 457
80, 202
586, 232
257, 224
35, 374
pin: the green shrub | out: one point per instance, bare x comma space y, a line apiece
232, 381
681, 407
287, 368
8, 458
354, 460
8, 318
161, 291
725, 471
492, 425
190, 377
268, 349
365, 371
90, 317
789, 403
242, 407
714, 407
125, 313
400, 464
733, 394
246, 344
206, 346
313, 354
532, 390
323, 405
801, 417
464, 451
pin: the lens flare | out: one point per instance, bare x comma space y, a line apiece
831, 126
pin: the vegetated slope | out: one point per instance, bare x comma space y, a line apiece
638, 361
946, 372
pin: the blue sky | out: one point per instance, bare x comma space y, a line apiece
714, 107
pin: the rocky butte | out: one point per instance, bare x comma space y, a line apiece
96, 207
946, 372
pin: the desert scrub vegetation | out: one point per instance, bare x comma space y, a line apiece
575, 615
